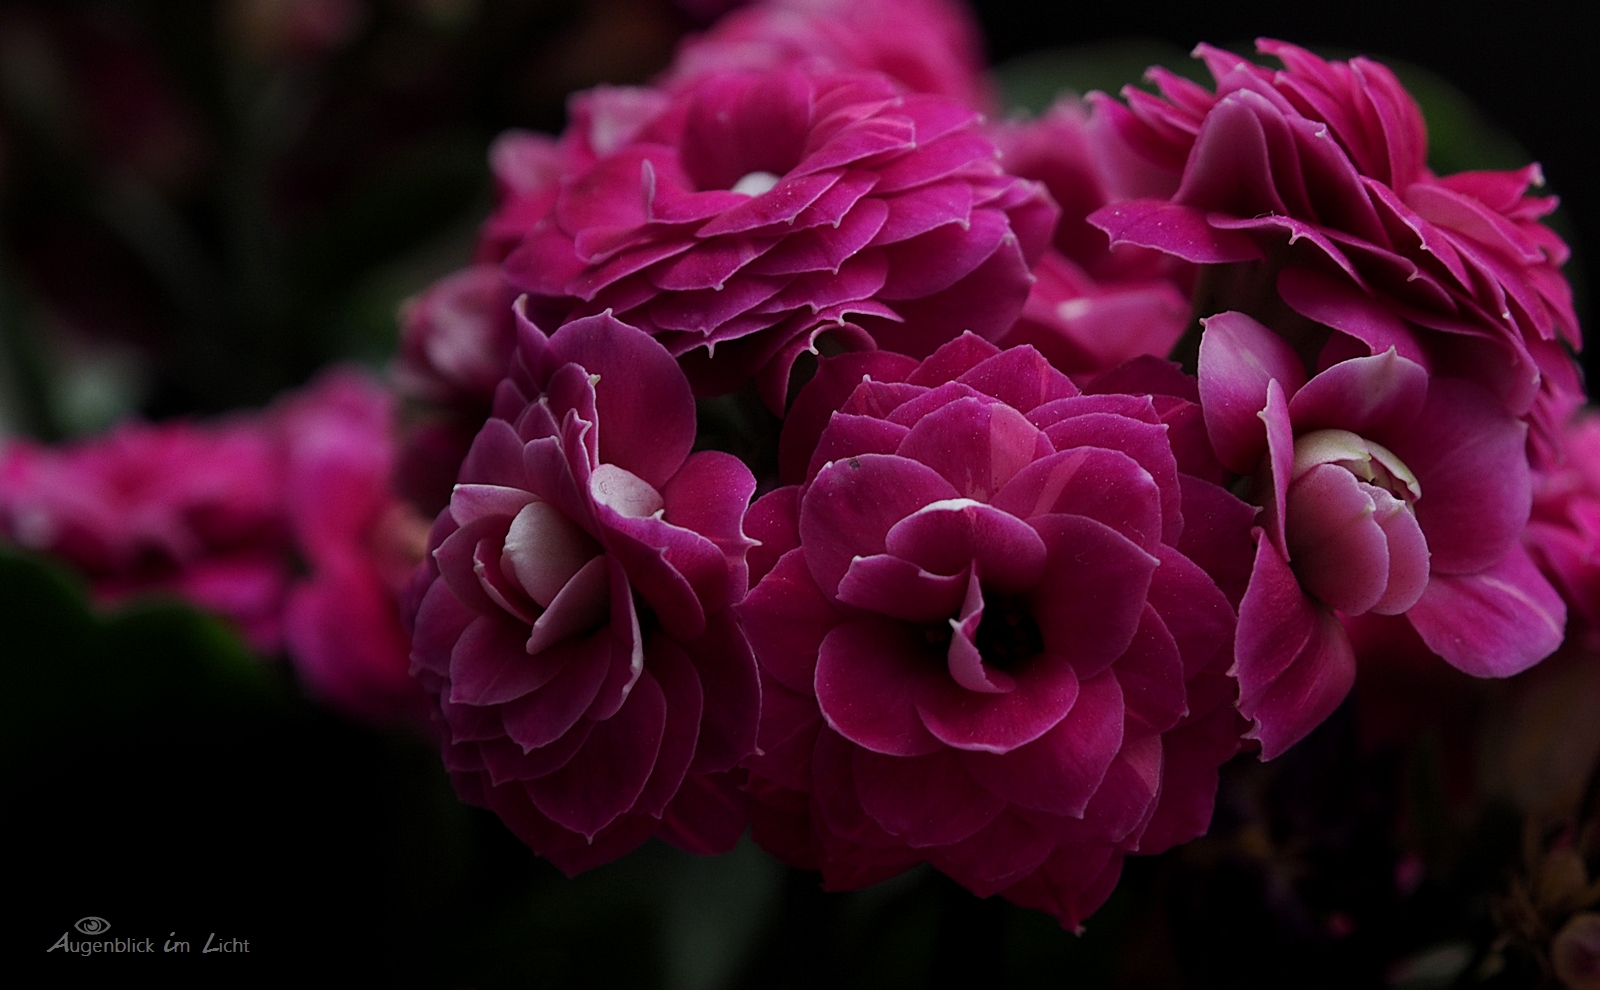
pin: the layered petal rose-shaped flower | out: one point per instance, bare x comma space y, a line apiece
1093, 306
990, 626
760, 211
927, 46
1386, 490
359, 544
1311, 183
572, 621
1564, 532
194, 510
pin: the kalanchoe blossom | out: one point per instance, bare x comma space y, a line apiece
572, 620
1563, 534
926, 46
359, 544
1385, 490
1312, 182
1093, 306
456, 339
178, 508
989, 624
760, 211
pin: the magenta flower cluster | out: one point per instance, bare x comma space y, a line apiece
1015, 585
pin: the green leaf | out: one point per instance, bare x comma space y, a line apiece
68, 672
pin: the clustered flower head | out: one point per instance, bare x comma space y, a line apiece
1016, 586
982, 625
759, 210
573, 617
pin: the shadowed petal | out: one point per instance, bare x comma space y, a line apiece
1494, 623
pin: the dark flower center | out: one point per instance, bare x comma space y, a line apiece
1007, 636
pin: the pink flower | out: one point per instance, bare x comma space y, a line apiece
989, 624
926, 46
1563, 534
456, 339
1312, 183
529, 168
179, 508
759, 211
360, 544
572, 620
1386, 490
1092, 307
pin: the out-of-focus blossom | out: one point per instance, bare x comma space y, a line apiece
181, 508
1093, 306
456, 339
926, 46
989, 624
572, 621
1564, 533
360, 545
1311, 184
1385, 490
760, 211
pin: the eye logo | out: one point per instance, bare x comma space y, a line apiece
92, 925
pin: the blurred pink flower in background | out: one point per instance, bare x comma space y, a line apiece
189, 509
359, 544
1564, 533
988, 626
456, 338
926, 46
572, 620
1093, 306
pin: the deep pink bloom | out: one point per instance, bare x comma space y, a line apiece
927, 46
572, 620
1385, 490
989, 624
181, 508
1564, 532
759, 211
359, 544
456, 339
1312, 182
1093, 306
